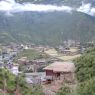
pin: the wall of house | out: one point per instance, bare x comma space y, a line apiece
69, 77
49, 73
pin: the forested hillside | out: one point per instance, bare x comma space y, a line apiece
47, 28
50, 28
74, 3
85, 74
16, 85
56, 2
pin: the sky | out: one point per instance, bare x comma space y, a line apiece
10, 6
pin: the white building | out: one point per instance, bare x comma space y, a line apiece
15, 70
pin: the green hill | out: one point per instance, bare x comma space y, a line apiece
73, 3
50, 28
46, 28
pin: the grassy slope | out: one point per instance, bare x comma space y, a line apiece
31, 54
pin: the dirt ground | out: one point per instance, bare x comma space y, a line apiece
54, 53
53, 87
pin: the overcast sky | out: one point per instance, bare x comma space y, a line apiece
10, 6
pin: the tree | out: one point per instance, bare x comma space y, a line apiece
64, 91
85, 66
87, 88
16, 85
85, 72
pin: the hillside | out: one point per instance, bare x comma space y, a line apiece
50, 28
85, 68
56, 2
16, 85
46, 28
73, 3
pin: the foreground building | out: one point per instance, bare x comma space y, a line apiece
60, 70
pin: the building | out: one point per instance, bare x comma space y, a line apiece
23, 60
70, 51
15, 69
35, 77
58, 70
40, 61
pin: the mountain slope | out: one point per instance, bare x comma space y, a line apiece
47, 28
73, 3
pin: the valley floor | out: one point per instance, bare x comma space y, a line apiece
54, 53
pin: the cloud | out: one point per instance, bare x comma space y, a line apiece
87, 8
13, 7
10, 6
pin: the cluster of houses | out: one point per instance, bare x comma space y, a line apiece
62, 71
70, 48
45, 72
8, 53
55, 70
32, 65
51, 71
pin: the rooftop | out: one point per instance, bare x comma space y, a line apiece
61, 67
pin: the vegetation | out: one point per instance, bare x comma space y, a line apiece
31, 54
46, 28
85, 66
64, 91
16, 85
85, 74
87, 87
65, 2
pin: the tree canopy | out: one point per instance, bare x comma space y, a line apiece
85, 74
16, 85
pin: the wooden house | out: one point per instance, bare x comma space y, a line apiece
58, 69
